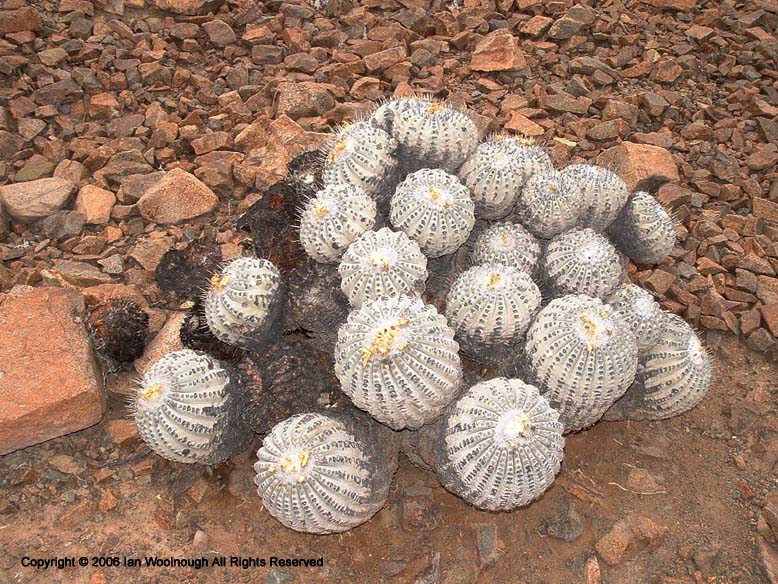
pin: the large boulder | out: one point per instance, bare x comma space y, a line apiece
30, 201
49, 382
178, 196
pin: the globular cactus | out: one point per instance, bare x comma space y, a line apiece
363, 156
397, 359
502, 445
583, 356
641, 312
242, 302
673, 376
490, 307
604, 190
189, 409
509, 244
643, 230
433, 208
380, 264
325, 473
550, 203
429, 132
496, 172
582, 261
333, 218
118, 328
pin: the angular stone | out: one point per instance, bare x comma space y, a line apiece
95, 203
523, 125
28, 202
768, 559
536, 26
22, 19
81, 273
10, 144
642, 167
624, 539
211, 142
770, 317
498, 51
564, 102
178, 196
303, 100
699, 33
672, 4
188, 7
52, 57
49, 383
764, 209
168, 339
382, 60
220, 33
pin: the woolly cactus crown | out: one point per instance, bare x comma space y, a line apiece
433, 208
319, 474
241, 302
673, 376
188, 409
550, 203
429, 132
643, 230
490, 308
641, 312
603, 189
362, 155
509, 244
583, 355
498, 169
397, 359
502, 445
582, 261
380, 264
333, 218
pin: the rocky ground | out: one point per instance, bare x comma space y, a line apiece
129, 128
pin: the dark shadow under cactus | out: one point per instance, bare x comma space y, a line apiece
183, 273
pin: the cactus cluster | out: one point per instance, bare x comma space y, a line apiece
337, 365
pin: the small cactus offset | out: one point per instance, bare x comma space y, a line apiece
333, 218
397, 359
583, 356
189, 409
508, 244
582, 261
433, 208
604, 190
380, 264
118, 328
673, 376
490, 308
363, 156
550, 203
643, 230
641, 312
501, 445
496, 172
325, 473
243, 301
429, 132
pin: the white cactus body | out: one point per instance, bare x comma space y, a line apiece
490, 307
605, 191
318, 474
641, 312
550, 203
363, 156
583, 355
582, 261
333, 218
188, 409
509, 244
430, 133
496, 172
502, 445
673, 376
242, 300
397, 359
643, 230
433, 208
380, 264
